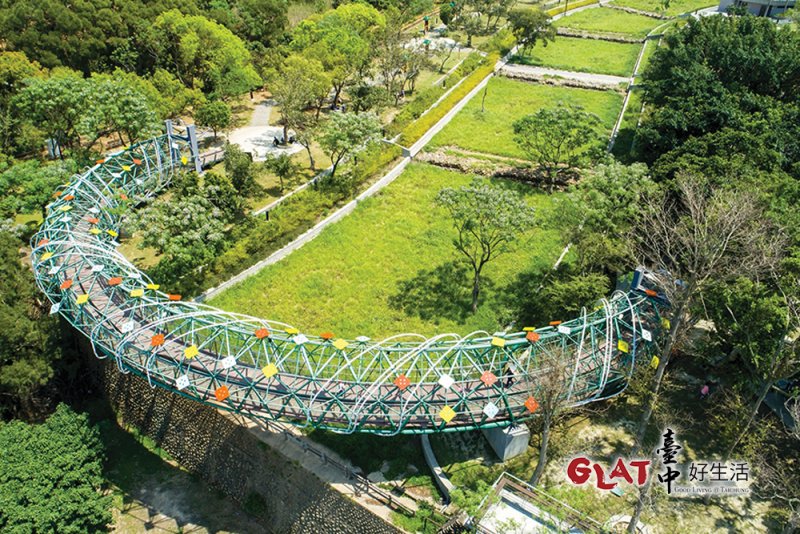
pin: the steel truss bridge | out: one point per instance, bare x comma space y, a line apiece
270, 370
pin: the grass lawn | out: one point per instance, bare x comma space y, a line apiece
649, 49
627, 130
606, 20
508, 100
676, 7
584, 55
390, 267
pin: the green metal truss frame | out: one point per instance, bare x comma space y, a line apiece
269, 370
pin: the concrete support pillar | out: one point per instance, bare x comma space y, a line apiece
170, 133
509, 441
192, 133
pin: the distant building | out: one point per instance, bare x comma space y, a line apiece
761, 8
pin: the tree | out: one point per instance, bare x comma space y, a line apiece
188, 232
30, 345
15, 68
114, 105
553, 377
283, 166
301, 82
51, 476
219, 190
56, 104
28, 186
471, 24
214, 114
89, 36
531, 26
342, 40
239, 168
174, 96
487, 220
347, 134
262, 21
729, 72
599, 212
558, 139
759, 320
203, 54
692, 238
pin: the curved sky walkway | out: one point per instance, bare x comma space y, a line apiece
270, 370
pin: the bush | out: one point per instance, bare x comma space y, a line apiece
556, 10
501, 43
426, 98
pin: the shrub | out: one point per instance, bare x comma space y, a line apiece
427, 97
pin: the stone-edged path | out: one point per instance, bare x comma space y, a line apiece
585, 77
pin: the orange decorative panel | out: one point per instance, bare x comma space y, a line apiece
222, 393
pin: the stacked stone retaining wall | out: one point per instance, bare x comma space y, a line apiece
282, 495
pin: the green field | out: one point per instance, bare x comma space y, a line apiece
508, 100
649, 49
584, 55
676, 7
390, 267
627, 131
606, 20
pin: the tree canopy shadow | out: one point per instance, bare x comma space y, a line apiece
443, 292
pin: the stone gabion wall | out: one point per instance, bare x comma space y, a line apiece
230, 458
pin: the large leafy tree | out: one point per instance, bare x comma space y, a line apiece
300, 83
559, 139
261, 21
203, 54
51, 476
56, 104
214, 114
89, 35
28, 186
759, 320
77, 111
599, 213
342, 40
15, 68
114, 105
187, 231
531, 26
347, 134
29, 340
487, 219
722, 72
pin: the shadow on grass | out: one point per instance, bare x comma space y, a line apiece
443, 292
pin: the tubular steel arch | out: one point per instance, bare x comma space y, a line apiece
270, 370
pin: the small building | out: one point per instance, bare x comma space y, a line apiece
761, 8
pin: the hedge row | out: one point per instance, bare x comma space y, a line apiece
574, 5
427, 97
417, 129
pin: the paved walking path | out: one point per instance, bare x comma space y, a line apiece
586, 77
257, 137
291, 443
262, 113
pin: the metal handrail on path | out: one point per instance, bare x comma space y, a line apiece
361, 484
